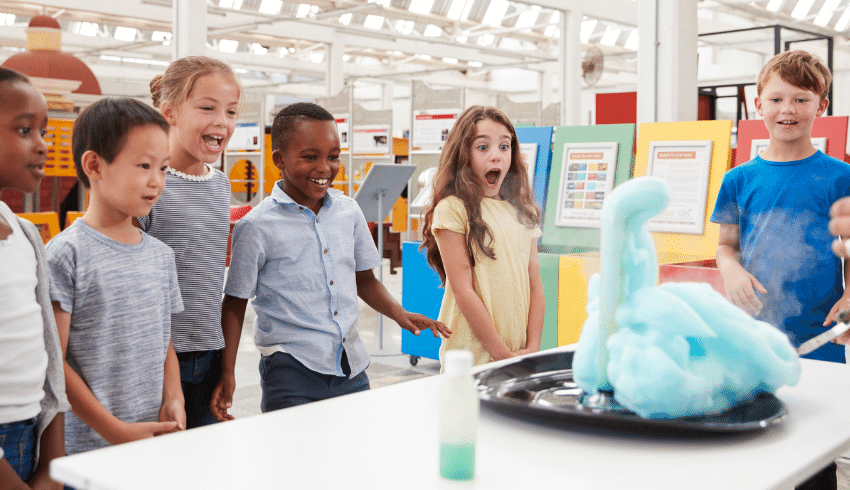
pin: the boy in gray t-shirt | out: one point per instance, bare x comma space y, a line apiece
115, 288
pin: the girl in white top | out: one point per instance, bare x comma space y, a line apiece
481, 231
32, 385
200, 98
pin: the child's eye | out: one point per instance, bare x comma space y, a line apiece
802, 101
231, 113
482, 147
42, 133
505, 147
775, 100
145, 165
333, 158
164, 168
206, 108
24, 130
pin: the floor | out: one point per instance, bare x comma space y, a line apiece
388, 365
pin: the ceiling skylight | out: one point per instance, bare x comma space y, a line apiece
228, 45
826, 12
495, 12
345, 19
587, 27
125, 33
528, 18
7, 19
610, 37
432, 31
163, 37
421, 6
801, 10
88, 29
375, 22
271, 7
841, 25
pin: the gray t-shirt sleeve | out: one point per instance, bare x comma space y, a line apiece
174, 286
61, 264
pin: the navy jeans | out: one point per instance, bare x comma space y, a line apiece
199, 374
286, 382
18, 442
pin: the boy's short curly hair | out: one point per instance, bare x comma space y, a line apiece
284, 121
799, 68
11, 76
103, 127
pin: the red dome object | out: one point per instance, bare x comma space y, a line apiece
43, 58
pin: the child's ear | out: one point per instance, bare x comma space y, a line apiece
822, 106
91, 164
757, 103
168, 112
277, 159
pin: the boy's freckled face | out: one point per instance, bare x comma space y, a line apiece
23, 152
310, 162
205, 121
789, 111
132, 183
491, 155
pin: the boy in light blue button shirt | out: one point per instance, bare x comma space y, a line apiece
304, 255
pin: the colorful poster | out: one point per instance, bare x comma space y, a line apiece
587, 177
372, 140
758, 146
342, 125
430, 131
529, 154
684, 166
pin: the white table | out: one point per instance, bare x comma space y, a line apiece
387, 438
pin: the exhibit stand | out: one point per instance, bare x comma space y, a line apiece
536, 147
244, 158
376, 196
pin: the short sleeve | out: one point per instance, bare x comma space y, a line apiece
176, 297
726, 208
450, 214
247, 257
536, 232
61, 267
366, 256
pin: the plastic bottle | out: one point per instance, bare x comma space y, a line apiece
459, 408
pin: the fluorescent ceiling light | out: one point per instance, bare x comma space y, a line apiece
476, 64
843, 20
633, 41
164, 37
227, 4
826, 12
7, 19
303, 11
374, 22
432, 31
527, 18
774, 5
258, 49
495, 12
228, 45
421, 6
271, 7
587, 27
452, 61
802, 9
456, 9
610, 37
486, 40
88, 29
125, 33
345, 19
316, 57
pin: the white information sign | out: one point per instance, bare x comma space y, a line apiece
246, 137
342, 124
371, 140
684, 166
587, 177
758, 146
430, 131
529, 154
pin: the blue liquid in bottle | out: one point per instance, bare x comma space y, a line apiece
457, 461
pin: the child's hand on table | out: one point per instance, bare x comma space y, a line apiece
172, 412
415, 322
222, 398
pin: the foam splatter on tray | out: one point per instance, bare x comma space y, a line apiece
675, 349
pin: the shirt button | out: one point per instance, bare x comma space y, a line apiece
336, 313
332, 283
301, 208
326, 250
317, 220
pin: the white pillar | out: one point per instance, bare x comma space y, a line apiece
189, 36
569, 67
667, 61
335, 76
387, 95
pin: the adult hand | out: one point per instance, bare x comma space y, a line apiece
740, 289
839, 225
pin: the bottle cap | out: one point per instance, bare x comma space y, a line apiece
458, 362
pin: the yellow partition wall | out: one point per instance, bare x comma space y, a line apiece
674, 248
574, 273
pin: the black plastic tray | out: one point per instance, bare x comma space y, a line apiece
542, 387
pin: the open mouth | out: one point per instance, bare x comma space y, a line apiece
493, 176
213, 142
321, 182
787, 123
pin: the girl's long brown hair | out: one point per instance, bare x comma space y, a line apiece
456, 177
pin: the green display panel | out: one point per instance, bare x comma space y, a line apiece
549, 277
574, 239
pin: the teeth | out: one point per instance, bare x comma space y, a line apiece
320, 181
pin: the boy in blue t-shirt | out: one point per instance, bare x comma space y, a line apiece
304, 255
774, 246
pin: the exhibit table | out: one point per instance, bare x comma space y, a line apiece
388, 438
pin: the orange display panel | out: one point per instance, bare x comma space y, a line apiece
47, 224
60, 162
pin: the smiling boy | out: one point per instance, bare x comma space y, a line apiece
774, 246
304, 255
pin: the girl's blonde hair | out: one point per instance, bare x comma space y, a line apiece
176, 84
456, 177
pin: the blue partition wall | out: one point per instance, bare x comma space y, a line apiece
543, 138
420, 293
